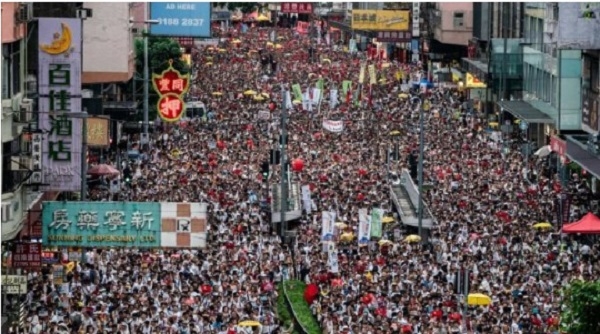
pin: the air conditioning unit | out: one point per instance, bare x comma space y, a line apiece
7, 213
35, 178
26, 111
24, 13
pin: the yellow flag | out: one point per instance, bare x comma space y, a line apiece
372, 74
361, 75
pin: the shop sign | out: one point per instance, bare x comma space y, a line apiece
394, 36
416, 14
380, 20
297, 7
590, 120
60, 95
14, 284
558, 145
124, 224
473, 82
171, 85
27, 256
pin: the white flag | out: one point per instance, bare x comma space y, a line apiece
327, 225
364, 227
288, 100
333, 96
306, 200
328, 39
316, 96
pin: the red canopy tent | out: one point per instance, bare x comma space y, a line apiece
589, 224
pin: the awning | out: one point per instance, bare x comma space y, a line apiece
577, 152
525, 111
32, 227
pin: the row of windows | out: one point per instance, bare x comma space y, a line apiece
540, 83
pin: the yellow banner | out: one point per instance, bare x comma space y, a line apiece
98, 132
473, 82
361, 76
380, 20
372, 74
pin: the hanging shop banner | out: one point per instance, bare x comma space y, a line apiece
364, 227
333, 126
98, 132
394, 36
181, 19
376, 215
124, 224
171, 85
27, 256
14, 284
376, 20
59, 69
297, 7
473, 82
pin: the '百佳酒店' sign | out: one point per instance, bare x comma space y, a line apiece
59, 96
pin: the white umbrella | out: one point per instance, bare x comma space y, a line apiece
543, 151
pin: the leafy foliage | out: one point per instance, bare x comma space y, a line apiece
295, 292
245, 7
581, 308
160, 51
282, 310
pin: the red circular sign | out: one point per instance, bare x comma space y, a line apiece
170, 107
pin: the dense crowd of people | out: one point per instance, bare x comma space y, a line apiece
482, 200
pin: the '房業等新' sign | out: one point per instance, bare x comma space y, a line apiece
124, 224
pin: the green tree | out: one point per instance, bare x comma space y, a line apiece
581, 307
245, 7
160, 51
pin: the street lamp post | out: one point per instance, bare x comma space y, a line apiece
145, 135
422, 108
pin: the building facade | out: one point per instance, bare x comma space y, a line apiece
447, 27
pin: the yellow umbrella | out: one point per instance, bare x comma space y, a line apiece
326, 60
250, 92
281, 37
478, 299
266, 95
403, 96
249, 323
347, 236
384, 242
341, 225
208, 64
210, 48
269, 44
382, 81
278, 46
385, 65
387, 220
217, 93
412, 238
259, 98
208, 58
222, 50
236, 41
296, 102
262, 18
541, 226
395, 133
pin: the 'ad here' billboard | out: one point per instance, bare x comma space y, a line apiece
181, 19
124, 224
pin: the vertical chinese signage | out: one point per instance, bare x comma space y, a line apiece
120, 224
14, 284
171, 85
60, 95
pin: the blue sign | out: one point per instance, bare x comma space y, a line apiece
181, 19
101, 224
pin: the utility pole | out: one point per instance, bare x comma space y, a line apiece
84, 116
145, 136
284, 190
420, 171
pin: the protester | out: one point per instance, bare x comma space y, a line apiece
483, 205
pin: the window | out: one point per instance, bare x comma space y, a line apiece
459, 19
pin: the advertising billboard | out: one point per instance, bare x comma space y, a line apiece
181, 19
384, 20
473, 82
60, 95
297, 7
578, 25
124, 224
